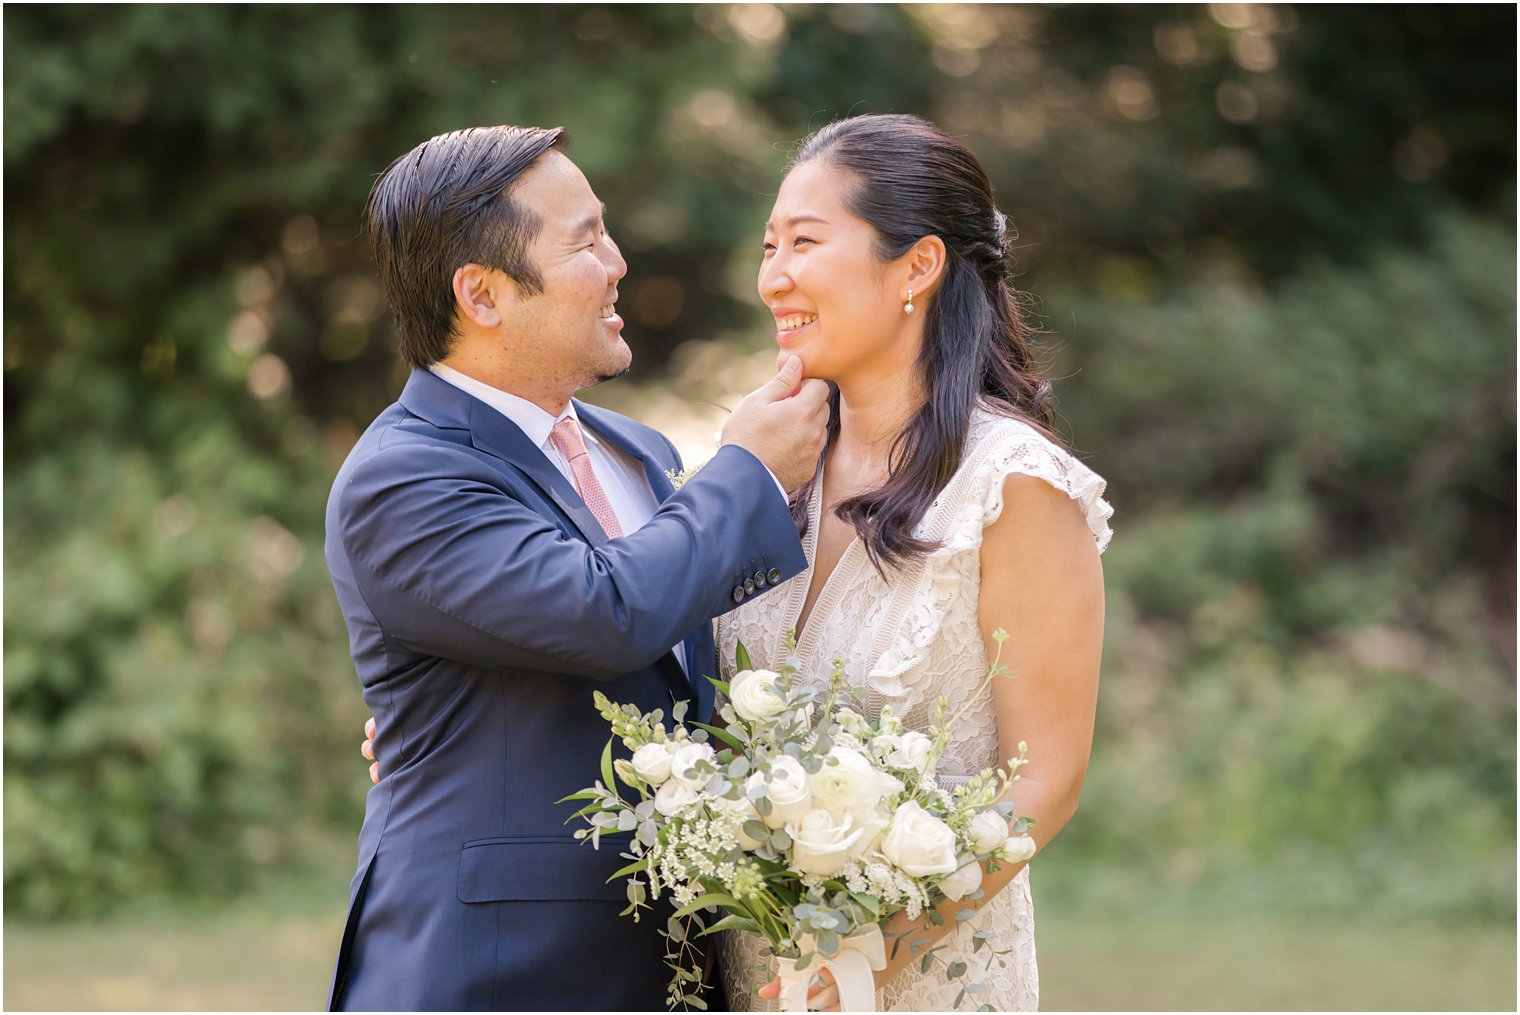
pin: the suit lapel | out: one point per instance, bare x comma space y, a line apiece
697, 646
446, 406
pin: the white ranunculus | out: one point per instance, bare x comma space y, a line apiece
755, 695
1019, 848
988, 830
850, 784
821, 843
919, 843
787, 790
685, 757
652, 763
911, 751
674, 797
964, 880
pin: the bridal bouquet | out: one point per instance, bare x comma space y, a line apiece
801, 821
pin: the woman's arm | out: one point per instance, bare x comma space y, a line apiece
1042, 583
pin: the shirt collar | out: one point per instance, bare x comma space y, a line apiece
530, 419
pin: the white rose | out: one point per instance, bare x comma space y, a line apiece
652, 763
685, 758
988, 830
755, 695
851, 784
821, 842
674, 797
853, 722
787, 790
870, 839
964, 880
1019, 848
910, 750
919, 843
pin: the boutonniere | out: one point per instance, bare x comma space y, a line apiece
678, 479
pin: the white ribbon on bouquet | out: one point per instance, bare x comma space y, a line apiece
859, 955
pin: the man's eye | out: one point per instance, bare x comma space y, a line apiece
768, 247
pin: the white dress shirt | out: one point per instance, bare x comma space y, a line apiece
621, 475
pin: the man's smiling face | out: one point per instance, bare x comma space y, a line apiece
570, 330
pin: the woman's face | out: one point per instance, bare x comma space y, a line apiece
835, 304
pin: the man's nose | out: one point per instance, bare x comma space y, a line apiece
616, 266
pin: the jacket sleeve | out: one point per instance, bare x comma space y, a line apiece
453, 565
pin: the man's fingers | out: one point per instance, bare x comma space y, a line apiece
785, 382
813, 390
374, 773
826, 999
369, 728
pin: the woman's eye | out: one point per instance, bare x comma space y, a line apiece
801, 240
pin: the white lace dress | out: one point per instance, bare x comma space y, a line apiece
908, 639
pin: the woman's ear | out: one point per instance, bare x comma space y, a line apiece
477, 294
925, 262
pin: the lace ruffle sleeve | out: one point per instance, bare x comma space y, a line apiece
1009, 446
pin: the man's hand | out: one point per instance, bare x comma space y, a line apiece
823, 994
368, 749
784, 424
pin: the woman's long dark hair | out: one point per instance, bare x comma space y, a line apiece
909, 179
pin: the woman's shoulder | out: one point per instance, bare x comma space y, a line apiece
997, 433
1000, 444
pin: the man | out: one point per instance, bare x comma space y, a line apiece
500, 551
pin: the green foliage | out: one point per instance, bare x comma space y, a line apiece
175, 678
1286, 339
1298, 669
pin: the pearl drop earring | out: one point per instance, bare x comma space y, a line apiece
908, 306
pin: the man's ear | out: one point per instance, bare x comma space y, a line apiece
925, 262
477, 292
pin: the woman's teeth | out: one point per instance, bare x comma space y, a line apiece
795, 321
609, 310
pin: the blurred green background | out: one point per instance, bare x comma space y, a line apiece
1272, 249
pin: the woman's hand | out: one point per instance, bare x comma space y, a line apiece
823, 995
368, 749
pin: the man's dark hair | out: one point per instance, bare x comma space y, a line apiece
445, 204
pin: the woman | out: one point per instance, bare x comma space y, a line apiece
942, 510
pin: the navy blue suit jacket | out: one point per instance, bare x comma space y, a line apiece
484, 605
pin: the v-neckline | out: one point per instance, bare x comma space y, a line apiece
807, 638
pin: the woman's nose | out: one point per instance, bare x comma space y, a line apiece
774, 278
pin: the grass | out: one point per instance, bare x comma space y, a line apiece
1088, 963
278, 956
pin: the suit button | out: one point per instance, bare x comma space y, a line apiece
749, 586
774, 576
759, 579
738, 593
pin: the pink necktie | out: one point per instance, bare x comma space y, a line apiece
566, 436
